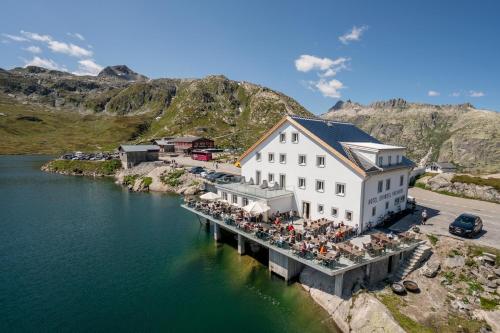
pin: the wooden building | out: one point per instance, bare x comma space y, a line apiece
187, 144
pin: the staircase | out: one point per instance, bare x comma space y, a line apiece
412, 262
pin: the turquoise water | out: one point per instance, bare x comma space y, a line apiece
80, 254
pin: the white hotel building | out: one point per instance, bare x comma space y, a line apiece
324, 169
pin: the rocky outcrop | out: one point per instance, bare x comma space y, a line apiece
153, 176
460, 133
360, 313
443, 183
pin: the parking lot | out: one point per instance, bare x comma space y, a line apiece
443, 209
188, 161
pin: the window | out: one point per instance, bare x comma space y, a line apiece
396, 201
282, 137
348, 215
374, 210
398, 159
282, 180
270, 177
257, 177
302, 159
224, 196
244, 201
390, 159
380, 186
381, 160
320, 186
295, 137
271, 157
387, 205
258, 157
340, 189
282, 158
302, 183
388, 184
234, 199
335, 211
401, 180
320, 161
321, 209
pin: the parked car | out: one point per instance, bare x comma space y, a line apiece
206, 173
216, 175
196, 170
227, 179
466, 225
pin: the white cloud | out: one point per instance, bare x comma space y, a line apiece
69, 49
433, 93
44, 62
305, 63
15, 38
329, 88
33, 49
87, 67
473, 93
76, 35
455, 94
353, 35
36, 36
57, 46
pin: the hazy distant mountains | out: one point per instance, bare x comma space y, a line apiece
459, 133
46, 111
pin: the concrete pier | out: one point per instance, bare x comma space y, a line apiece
241, 244
339, 284
216, 232
283, 265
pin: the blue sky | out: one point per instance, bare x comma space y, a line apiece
315, 51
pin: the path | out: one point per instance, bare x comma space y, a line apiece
188, 161
443, 209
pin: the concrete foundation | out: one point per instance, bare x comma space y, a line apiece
284, 266
339, 284
241, 244
217, 232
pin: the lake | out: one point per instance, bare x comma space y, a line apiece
80, 254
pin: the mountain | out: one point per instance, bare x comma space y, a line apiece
48, 111
121, 72
461, 134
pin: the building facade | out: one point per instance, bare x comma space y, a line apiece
334, 170
131, 155
189, 143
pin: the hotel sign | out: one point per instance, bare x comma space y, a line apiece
385, 196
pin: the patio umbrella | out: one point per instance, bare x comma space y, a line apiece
256, 208
209, 196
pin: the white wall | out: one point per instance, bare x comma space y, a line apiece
374, 199
334, 171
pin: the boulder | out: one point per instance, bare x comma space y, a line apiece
454, 262
497, 271
431, 268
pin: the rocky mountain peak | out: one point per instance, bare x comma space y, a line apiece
392, 104
121, 72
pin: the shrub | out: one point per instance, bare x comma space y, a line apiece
146, 181
488, 304
129, 180
172, 178
433, 239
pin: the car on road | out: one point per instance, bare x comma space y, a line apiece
196, 170
216, 175
227, 179
466, 225
205, 173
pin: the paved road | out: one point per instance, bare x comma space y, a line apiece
443, 209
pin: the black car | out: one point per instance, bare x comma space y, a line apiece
216, 175
466, 225
196, 170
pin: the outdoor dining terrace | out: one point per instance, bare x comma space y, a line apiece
323, 245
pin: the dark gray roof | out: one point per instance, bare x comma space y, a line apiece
334, 133
136, 148
187, 139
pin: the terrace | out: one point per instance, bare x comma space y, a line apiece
322, 245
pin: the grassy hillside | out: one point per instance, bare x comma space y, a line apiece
34, 129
